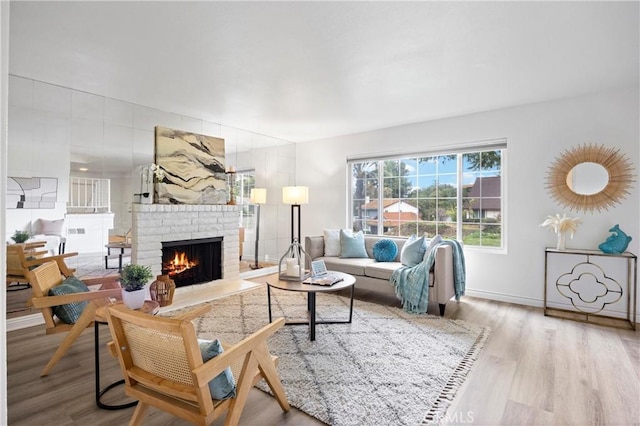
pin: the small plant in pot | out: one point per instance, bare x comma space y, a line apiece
133, 278
20, 236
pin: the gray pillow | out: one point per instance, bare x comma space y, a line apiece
223, 386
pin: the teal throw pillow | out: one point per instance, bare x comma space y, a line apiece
223, 386
431, 244
69, 313
413, 251
352, 245
385, 250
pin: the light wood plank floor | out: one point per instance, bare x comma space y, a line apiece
534, 370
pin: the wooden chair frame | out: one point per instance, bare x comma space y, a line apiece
47, 276
23, 257
191, 402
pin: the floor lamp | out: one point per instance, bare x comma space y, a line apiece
295, 195
258, 196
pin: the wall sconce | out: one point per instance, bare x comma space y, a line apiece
258, 196
295, 195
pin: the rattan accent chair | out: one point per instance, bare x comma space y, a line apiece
47, 276
25, 256
162, 366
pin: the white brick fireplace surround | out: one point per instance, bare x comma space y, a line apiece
154, 224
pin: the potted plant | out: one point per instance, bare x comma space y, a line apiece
133, 278
20, 236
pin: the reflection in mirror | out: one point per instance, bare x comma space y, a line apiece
588, 178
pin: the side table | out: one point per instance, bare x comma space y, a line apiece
149, 307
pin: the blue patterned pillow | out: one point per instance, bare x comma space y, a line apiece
352, 245
385, 250
70, 312
223, 386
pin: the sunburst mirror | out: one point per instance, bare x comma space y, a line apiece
590, 177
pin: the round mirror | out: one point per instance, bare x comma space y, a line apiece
588, 178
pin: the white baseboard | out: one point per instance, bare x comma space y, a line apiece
19, 323
518, 300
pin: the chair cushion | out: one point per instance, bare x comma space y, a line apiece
70, 312
223, 386
348, 266
385, 250
352, 245
413, 251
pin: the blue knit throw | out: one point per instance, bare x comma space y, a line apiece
412, 282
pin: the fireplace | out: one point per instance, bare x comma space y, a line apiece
196, 261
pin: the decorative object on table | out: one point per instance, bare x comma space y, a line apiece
561, 225
291, 265
296, 196
258, 196
162, 290
616, 243
194, 168
231, 174
388, 383
133, 278
149, 176
590, 177
20, 236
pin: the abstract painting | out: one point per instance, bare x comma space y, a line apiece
193, 166
32, 193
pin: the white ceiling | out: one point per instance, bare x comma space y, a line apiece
305, 71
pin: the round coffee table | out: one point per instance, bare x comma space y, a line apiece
311, 290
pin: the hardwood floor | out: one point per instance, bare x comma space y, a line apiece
534, 370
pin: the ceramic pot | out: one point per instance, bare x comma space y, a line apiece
133, 299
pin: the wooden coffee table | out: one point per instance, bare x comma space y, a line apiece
311, 290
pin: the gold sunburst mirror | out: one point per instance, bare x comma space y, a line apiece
590, 177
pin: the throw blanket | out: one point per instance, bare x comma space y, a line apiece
412, 282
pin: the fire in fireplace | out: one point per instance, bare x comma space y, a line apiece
189, 262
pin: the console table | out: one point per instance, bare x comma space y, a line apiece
591, 286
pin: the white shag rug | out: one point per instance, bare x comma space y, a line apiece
387, 367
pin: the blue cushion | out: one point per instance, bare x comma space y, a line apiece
223, 386
413, 251
352, 245
385, 250
69, 313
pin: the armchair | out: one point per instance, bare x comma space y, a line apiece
21, 258
163, 367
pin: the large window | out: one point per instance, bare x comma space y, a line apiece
457, 195
244, 181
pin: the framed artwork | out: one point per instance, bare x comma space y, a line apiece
193, 168
32, 193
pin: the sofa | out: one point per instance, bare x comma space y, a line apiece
375, 276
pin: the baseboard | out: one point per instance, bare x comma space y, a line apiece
19, 323
259, 272
518, 300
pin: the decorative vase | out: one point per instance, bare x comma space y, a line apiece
133, 299
562, 237
162, 290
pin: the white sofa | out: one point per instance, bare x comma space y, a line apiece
374, 276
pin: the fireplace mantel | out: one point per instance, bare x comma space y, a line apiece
155, 223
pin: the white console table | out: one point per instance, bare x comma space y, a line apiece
591, 286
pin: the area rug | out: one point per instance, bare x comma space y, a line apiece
387, 367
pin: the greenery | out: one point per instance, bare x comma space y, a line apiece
134, 277
20, 236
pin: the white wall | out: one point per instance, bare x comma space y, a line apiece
50, 126
536, 134
4, 86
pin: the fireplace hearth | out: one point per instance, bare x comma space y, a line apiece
196, 261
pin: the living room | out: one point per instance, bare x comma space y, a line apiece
573, 67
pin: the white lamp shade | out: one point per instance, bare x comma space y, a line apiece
258, 195
295, 195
